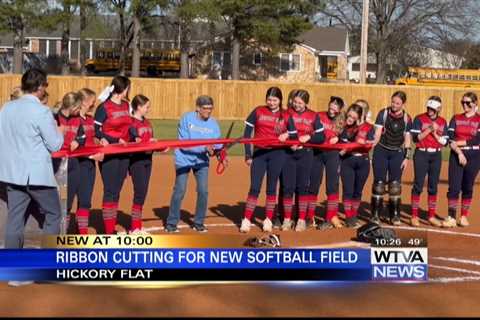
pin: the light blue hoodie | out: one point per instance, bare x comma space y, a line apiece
191, 126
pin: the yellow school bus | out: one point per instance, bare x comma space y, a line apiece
464, 78
152, 61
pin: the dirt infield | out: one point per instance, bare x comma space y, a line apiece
454, 265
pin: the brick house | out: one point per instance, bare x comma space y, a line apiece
320, 55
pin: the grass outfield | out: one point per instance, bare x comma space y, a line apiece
167, 129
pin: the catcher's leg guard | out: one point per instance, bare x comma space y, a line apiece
395, 192
378, 190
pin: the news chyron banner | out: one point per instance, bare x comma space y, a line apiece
209, 258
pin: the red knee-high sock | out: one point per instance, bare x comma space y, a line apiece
270, 206
110, 216
415, 205
312, 206
466, 206
287, 207
250, 207
82, 220
348, 206
303, 204
136, 217
332, 206
355, 206
432, 205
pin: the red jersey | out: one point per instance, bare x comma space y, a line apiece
114, 119
304, 122
421, 123
141, 129
267, 124
70, 132
463, 128
329, 124
88, 131
358, 134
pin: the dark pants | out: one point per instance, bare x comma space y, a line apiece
114, 170
296, 172
354, 172
330, 160
269, 161
387, 162
140, 170
74, 179
426, 163
462, 178
19, 198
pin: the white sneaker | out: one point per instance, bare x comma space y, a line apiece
301, 225
139, 232
449, 222
267, 225
19, 283
287, 225
463, 222
246, 225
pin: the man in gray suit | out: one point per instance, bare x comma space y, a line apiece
28, 136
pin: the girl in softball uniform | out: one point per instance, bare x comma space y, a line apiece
390, 156
330, 161
83, 177
464, 163
140, 163
429, 133
267, 121
355, 165
112, 123
304, 125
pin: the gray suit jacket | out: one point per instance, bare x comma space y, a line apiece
28, 134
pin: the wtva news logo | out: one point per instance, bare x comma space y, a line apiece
399, 264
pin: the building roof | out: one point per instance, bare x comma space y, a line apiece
326, 39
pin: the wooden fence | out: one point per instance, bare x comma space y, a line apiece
235, 99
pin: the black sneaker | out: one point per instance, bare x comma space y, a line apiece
325, 225
199, 228
396, 221
352, 222
277, 224
171, 229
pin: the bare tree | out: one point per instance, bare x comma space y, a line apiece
397, 24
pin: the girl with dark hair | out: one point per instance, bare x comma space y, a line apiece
304, 125
355, 166
267, 121
112, 123
429, 132
330, 161
140, 167
390, 156
464, 162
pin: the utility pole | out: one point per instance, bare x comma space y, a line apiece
364, 43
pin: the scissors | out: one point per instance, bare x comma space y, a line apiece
222, 155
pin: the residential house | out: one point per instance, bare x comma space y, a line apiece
320, 55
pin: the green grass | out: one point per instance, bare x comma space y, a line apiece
167, 129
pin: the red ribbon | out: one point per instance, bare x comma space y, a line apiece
160, 145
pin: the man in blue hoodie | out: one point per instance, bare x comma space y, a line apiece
197, 124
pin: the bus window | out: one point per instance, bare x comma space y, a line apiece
100, 55
455, 77
475, 78
468, 78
